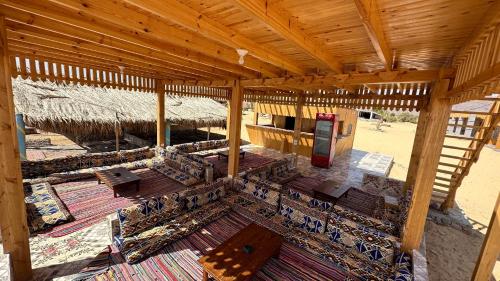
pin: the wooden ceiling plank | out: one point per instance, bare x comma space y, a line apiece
48, 45
369, 12
116, 13
174, 11
70, 58
23, 34
18, 20
286, 27
43, 10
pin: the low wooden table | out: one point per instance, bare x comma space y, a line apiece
329, 191
118, 177
225, 154
229, 261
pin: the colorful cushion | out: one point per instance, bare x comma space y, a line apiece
381, 225
142, 245
204, 194
177, 175
309, 200
265, 191
367, 243
147, 214
303, 217
404, 209
402, 268
43, 207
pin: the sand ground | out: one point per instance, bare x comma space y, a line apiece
451, 253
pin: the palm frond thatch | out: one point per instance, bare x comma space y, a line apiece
89, 112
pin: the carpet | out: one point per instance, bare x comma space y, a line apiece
251, 160
89, 202
178, 261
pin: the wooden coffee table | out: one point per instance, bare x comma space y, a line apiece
117, 178
330, 191
225, 154
230, 261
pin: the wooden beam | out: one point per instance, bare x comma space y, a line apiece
14, 226
235, 129
160, 113
282, 23
152, 28
57, 17
369, 12
328, 81
28, 21
298, 127
255, 113
490, 250
173, 10
439, 112
416, 152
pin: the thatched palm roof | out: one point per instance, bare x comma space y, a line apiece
80, 110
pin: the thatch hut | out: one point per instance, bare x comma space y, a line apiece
92, 112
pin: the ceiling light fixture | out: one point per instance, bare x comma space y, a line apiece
242, 53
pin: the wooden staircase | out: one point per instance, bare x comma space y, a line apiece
457, 158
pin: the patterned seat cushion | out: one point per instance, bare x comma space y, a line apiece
265, 191
302, 217
147, 214
142, 245
404, 209
177, 175
381, 225
402, 268
309, 200
367, 243
204, 194
43, 207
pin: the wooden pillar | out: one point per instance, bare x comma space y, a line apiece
437, 120
418, 142
208, 133
12, 208
490, 249
497, 144
228, 119
117, 135
160, 114
256, 113
298, 128
234, 129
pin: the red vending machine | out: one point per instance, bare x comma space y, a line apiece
325, 136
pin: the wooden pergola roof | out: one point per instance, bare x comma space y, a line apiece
292, 45
421, 55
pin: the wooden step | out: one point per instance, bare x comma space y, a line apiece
458, 147
472, 112
441, 185
450, 165
446, 172
443, 179
469, 126
454, 157
462, 138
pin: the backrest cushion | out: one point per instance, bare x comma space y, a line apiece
279, 168
204, 194
404, 204
303, 217
149, 213
309, 200
264, 191
380, 225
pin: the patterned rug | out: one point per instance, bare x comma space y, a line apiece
251, 160
178, 261
89, 202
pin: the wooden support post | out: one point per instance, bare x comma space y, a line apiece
256, 113
117, 135
208, 133
160, 114
298, 128
234, 130
439, 112
497, 145
12, 208
418, 142
228, 119
490, 249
